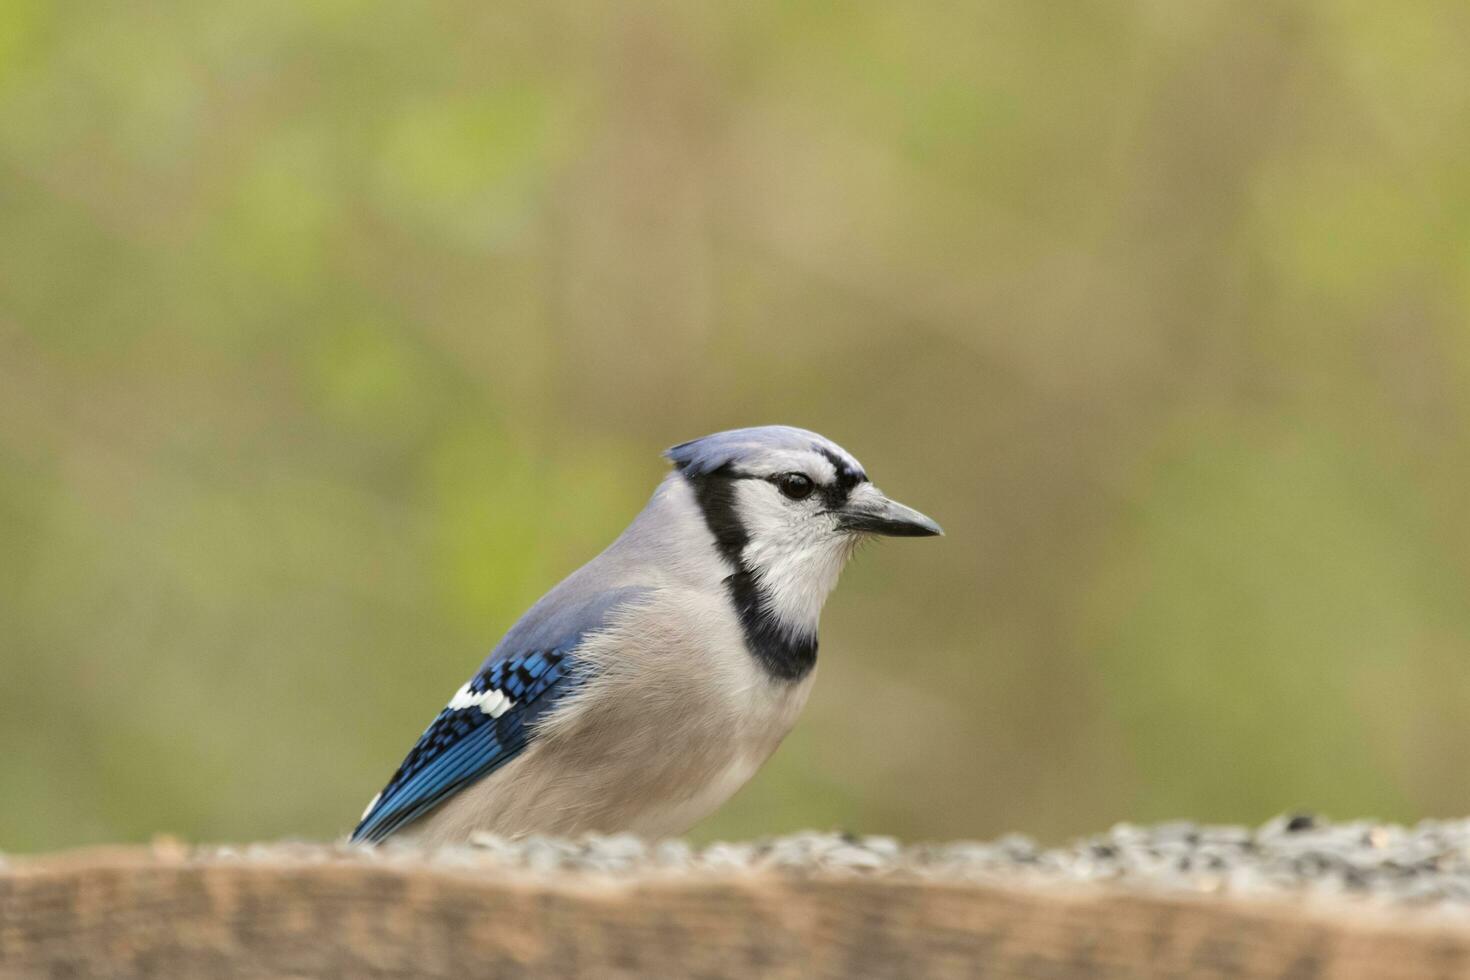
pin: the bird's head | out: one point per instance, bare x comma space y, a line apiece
787, 508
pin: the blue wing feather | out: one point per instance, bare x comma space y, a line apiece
465, 744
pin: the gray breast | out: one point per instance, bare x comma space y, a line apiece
677, 716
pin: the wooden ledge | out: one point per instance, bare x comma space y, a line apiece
155, 913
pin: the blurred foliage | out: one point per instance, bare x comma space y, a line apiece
332, 334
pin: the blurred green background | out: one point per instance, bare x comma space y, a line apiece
332, 334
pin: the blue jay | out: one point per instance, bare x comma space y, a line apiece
639, 694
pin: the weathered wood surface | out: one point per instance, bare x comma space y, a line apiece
138, 913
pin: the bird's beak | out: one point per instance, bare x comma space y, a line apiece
869, 512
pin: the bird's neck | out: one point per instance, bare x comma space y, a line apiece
777, 599
784, 651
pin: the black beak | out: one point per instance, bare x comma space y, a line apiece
869, 512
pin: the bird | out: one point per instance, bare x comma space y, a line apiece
648, 686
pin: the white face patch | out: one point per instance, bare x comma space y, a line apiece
492, 702
770, 463
797, 552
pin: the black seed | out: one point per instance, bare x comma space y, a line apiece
1299, 822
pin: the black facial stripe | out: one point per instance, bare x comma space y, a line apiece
715, 493
784, 656
836, 495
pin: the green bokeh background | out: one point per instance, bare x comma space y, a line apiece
332, 334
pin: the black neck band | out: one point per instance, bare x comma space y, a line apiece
783, 654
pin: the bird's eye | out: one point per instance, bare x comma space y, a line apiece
797, 486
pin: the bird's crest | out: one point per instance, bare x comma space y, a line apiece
742, 448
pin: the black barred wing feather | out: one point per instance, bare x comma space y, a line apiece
486, 724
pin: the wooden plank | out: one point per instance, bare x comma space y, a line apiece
136, 913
